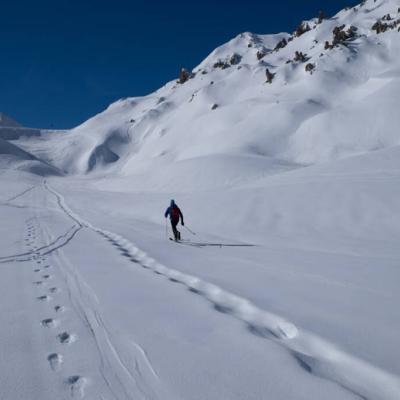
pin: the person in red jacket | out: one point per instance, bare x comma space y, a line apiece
174, 213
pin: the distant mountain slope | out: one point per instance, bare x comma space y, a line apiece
329, 90
12, 130
5, 120
13, 156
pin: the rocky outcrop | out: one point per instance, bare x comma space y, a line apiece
300, 57
281, 44
261, 54
321, 17
221, 64
184, 75
270, 76
381, 27
235, 59
341, 36
310, 67
301, 29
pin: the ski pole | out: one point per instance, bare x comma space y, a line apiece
166, 228
193, 233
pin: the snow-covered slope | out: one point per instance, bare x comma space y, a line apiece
14, 157
12, 130
286, 285
345, 105
6, 121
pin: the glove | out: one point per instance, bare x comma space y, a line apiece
183, 224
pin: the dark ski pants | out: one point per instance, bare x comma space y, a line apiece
177, 234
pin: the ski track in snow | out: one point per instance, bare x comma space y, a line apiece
20, 194
314, 354
122, 382
56, 244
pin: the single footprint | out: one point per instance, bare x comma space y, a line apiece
37, 270
59, 309
55, 361
54, 290
46, 276
77, 384
38, 283
66, 338
44, 298
46, 266
49, 323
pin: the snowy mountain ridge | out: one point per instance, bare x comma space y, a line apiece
329, 74
6, 121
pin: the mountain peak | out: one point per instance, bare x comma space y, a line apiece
6, 121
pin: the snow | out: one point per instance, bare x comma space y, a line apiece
298, 119
289, 287
6, 121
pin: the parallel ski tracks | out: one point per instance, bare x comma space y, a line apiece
122, 382
316, 355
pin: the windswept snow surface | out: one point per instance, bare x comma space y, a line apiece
289, 288
103, 305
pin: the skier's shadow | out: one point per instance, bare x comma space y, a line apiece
210, 244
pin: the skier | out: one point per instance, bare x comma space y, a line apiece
174, 214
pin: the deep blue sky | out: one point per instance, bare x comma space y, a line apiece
62, 61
